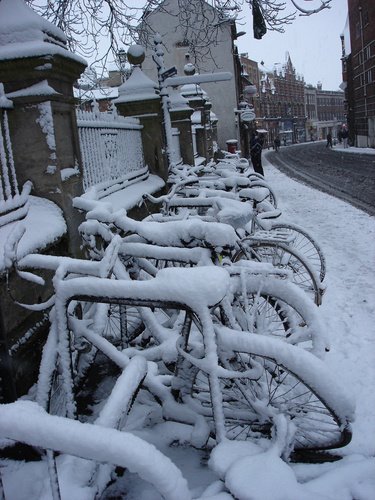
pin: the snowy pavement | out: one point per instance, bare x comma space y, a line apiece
347, 236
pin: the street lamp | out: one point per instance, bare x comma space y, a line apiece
122, 59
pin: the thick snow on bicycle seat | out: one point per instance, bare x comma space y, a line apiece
228, 211
233, 212
194, 287
238, 180
257, 194
197, 287
204, 192
182, 233
270, 214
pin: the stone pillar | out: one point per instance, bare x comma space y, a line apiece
181, 112
38, 73
39, 81
139, 98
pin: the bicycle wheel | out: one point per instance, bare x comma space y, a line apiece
122, 324
64, 365
306, 245
269, 306
282, 256
287, 380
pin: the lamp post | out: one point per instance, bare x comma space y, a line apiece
268, 90
167, 78
122, 59
159, 61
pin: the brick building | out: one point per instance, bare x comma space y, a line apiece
280, 102
358, 45
325, 111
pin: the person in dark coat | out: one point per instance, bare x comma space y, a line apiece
345, 136
276, 143
329, 140
256, 146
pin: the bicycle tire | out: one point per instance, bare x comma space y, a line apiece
306, 246
122, 324
79, 357
282, 256
287, 382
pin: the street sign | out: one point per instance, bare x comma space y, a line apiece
247, 115
169, 72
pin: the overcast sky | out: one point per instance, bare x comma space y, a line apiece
313, 44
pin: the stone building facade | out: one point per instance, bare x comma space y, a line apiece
37, 74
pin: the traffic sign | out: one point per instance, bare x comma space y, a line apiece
169, 72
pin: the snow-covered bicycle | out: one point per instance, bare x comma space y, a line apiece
224, 383
258, 237
237, 380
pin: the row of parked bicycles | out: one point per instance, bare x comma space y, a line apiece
208, 309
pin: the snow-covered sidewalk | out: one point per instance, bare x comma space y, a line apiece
347, 236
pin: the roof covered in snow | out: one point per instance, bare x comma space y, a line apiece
23, 33
137, 87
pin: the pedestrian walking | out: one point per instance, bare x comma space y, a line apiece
256, 146
345, 136
276, 143
329, 140
339, 136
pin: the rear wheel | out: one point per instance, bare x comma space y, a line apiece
306, 245
283, 257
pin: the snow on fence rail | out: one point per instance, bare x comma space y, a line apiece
111, 146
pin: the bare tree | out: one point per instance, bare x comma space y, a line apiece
277, 14
98, 29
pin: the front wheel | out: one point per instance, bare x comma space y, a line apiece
271, 196
286, 380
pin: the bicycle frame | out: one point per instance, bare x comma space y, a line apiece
150, 293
